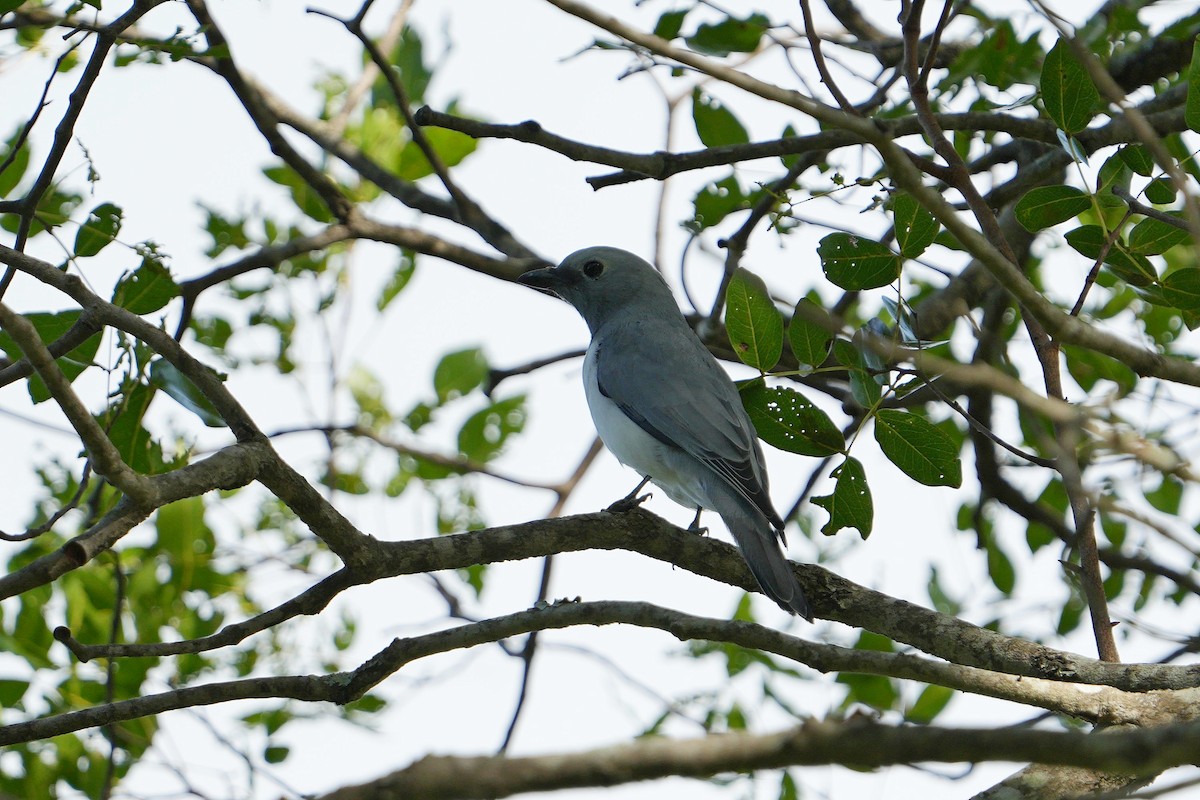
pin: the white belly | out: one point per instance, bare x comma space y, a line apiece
669, 468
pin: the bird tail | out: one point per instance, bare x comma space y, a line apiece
760, 545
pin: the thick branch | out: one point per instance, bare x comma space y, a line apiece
858, 742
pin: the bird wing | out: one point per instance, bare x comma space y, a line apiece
661, 376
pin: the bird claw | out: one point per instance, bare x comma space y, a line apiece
628, 503
699, 530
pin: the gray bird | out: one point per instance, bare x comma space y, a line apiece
663, 405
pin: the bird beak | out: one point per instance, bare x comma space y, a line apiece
547, 279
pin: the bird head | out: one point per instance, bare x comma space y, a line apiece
601, 282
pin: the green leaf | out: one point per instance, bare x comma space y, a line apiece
849, 505
1138, 159
1181, 289
459, 373
919, 448
148, 289
718, 200
50, 327
12, 174
276, 754
1067, 91
409, 62
451, 147
180, 388
482, 437
731, 35
915, 227
1191, 109
810, 342
1152, 237
11, 691
754, 325
1136, 270
939, 597
930, 703
855, 262
400, 278
786, 419
669, 24
1087, 367
863, 387
876, 691
715, 124
1046, 206
123, 421
1000, 569
1160, 191
98, 230
303, 195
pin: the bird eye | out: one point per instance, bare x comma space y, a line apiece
593, 268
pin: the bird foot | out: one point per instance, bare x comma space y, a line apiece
699, 530
628, 503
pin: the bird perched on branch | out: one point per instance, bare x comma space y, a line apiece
663, 406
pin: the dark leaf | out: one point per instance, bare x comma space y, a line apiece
669, 23
1152, 237
148, 289
1160, 191
918, 447
1181, 289
787, 419
849, 505
1049, 205
1136, 270
1067, 92
98, 230
49, 328
810, 342
715, 124
855, 262
915, 227
1191, 110
1138, 159
180, 388
731, 35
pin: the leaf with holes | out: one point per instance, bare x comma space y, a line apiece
919, 448
715, 124
855, 262
786, 419
849, 505
148, 289
754, 325
98, 230
915, 227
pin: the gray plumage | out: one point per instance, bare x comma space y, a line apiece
664, 407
